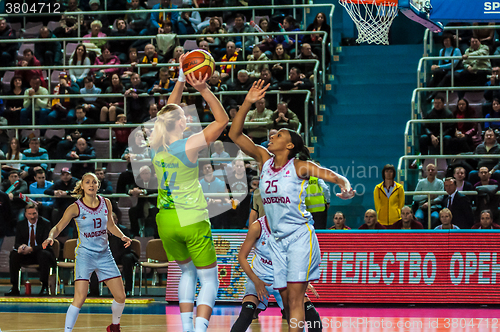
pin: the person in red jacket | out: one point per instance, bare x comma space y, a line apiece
486, 221
371, 221
121, 135
29, 60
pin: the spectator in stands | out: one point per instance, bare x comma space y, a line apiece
137, 21
16, 203
466, 133
163, 85
38, 187
407, 220
268, 78
63, 108
91, 105
29, 60
115, 104
296, 81
35, 152
90, 17
13, 106
142, 216
431, 135
69, 23
389, 197
289, 24
487, 189
41, 105
95, 32
137, 151
371, 221
81, 151
269, 135
173, 71
231, 55
339, 222
458, 203
8, 51
120, 47
278, 69
307, 54
259, 114
475, 70
486, 221
485, 177
316, 40
203, 45
283, 117
62, 189
218, 148
485, 36
239, 183
459, 175
494, 114
231, 111
121, 135
152, 58
132, 60
79, 58
105, 188
48, 53
30, 234
491, 147
8, 223
135, 105
490, 94
158, 19
238, 28
243, 82
420, 203
72, 135
216, 44
106, 58
254, 70
152, 111
14, 153
444, 66
215, 205
445, 218
215, 83
188, 21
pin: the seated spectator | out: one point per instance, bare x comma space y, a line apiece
16, 203
81, 151
486, 221
491, 147
138, 21
69, 23
135, 105
231, 55
62, 189
407, 220
485, 36
431, 133
289, 24
238, 28
278, 69
254, 70
132, 60
269, 135
420, 203
115, 104
63, 108
268, 78
30, 234
216, 44
95, 32
143, 215
89, 18
490, 94
458, 203
105, 188
106, 58
259, 114
137, 151
121, 135
218, 148
243, 82
38, 187
203, 45
48, 53
41, 105
283, 117
35, 152
14, 153
316, 40
467, 134
494, 114
188, 21
307, 54
72, 135
152, 111
148, 74
339, 222
29, 60
389, 197
215, 83
13, 106
163, 85
173, 71
371, 221
296, 81
8, 50
120, 47
158, 19
444, 66
216, 205
79, 58
445, 217
487, 189
459, 175
91, 105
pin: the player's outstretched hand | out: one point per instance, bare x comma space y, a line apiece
258, 91
127, 241
198, 83
346, 194
48, 242
260, 287
181, 59
310, 288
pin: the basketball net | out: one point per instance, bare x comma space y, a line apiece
373, 19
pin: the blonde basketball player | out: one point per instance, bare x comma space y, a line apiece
93, 215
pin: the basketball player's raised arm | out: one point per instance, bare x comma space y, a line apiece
111, 226
176, 95
305, 169
252, 236
259, 153
71, 212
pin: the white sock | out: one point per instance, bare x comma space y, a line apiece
187, 321
117, 309
201, 324
71, 316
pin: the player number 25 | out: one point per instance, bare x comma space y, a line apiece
271, 187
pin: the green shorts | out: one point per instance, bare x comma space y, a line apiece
193, 241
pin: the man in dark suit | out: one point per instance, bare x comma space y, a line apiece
459, 205
30, 234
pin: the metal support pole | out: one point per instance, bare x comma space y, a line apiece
429, 211
33, 110
440, 138
125, 105
79, 24
110, 143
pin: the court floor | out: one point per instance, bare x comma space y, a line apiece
17, 317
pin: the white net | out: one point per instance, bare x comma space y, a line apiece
373, 19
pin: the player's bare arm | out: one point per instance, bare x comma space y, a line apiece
71, 212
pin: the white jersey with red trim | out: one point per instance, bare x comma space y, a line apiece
283, 195
92, 226
262, 264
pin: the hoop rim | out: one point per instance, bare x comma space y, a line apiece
388, 3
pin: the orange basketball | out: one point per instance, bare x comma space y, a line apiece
198, 61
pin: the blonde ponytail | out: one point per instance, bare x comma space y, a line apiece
165, 123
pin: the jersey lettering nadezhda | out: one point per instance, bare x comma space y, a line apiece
262, 264
283, 193
92, 226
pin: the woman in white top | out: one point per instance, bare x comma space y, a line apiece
14, 153
445, 217
79, 58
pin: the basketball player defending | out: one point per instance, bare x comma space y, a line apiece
283, 181
183, 223
93, 217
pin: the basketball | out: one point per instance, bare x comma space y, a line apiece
198, 61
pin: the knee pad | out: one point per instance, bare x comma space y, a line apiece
313, 320
245, 318
187, 283
209, 282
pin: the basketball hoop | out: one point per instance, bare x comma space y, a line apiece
373, 18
